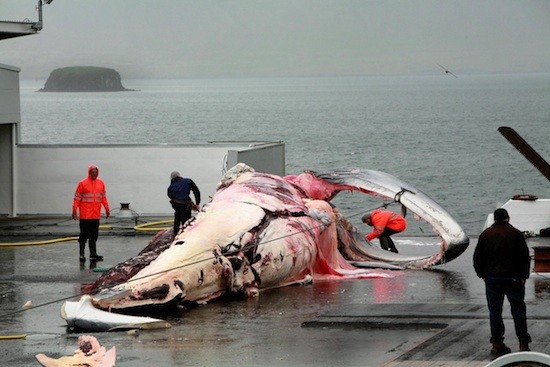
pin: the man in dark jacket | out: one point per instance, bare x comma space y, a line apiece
178, 192
501, 259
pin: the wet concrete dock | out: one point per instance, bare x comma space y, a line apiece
415, 318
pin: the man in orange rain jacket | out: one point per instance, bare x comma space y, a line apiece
89, 196
385, 224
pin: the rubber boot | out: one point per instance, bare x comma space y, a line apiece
500, 349
384, 243
524, 347
82, 247
93, 253
387, 244
391, 245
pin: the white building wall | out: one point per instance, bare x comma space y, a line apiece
257, 158
6, 168
137, 174
10, 108
10, 117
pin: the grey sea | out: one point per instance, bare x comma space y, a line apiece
437, 133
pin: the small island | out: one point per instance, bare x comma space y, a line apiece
84, 79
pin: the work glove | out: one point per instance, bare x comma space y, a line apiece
74, 213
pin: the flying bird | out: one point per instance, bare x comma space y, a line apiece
446, 70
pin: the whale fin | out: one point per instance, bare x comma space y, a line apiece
83, 315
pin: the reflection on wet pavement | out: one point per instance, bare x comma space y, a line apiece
262, 331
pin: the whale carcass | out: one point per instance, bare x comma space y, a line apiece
261, 231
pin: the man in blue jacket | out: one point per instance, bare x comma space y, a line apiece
178, 192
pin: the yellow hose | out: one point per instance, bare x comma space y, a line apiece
47, 242
33, 243
8, 337
146, 226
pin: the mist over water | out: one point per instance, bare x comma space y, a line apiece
435, 132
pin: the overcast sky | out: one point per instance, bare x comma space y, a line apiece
249, 38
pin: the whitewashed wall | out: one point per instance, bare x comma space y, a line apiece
10, 117
46, 176
9, 95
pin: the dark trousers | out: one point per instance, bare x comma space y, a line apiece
89, 231
385, 240
182, 213
514, 290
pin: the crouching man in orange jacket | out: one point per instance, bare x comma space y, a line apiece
385, 224
89, 196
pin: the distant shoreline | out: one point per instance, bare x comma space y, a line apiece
40, 81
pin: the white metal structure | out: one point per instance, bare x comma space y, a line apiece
526, 215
